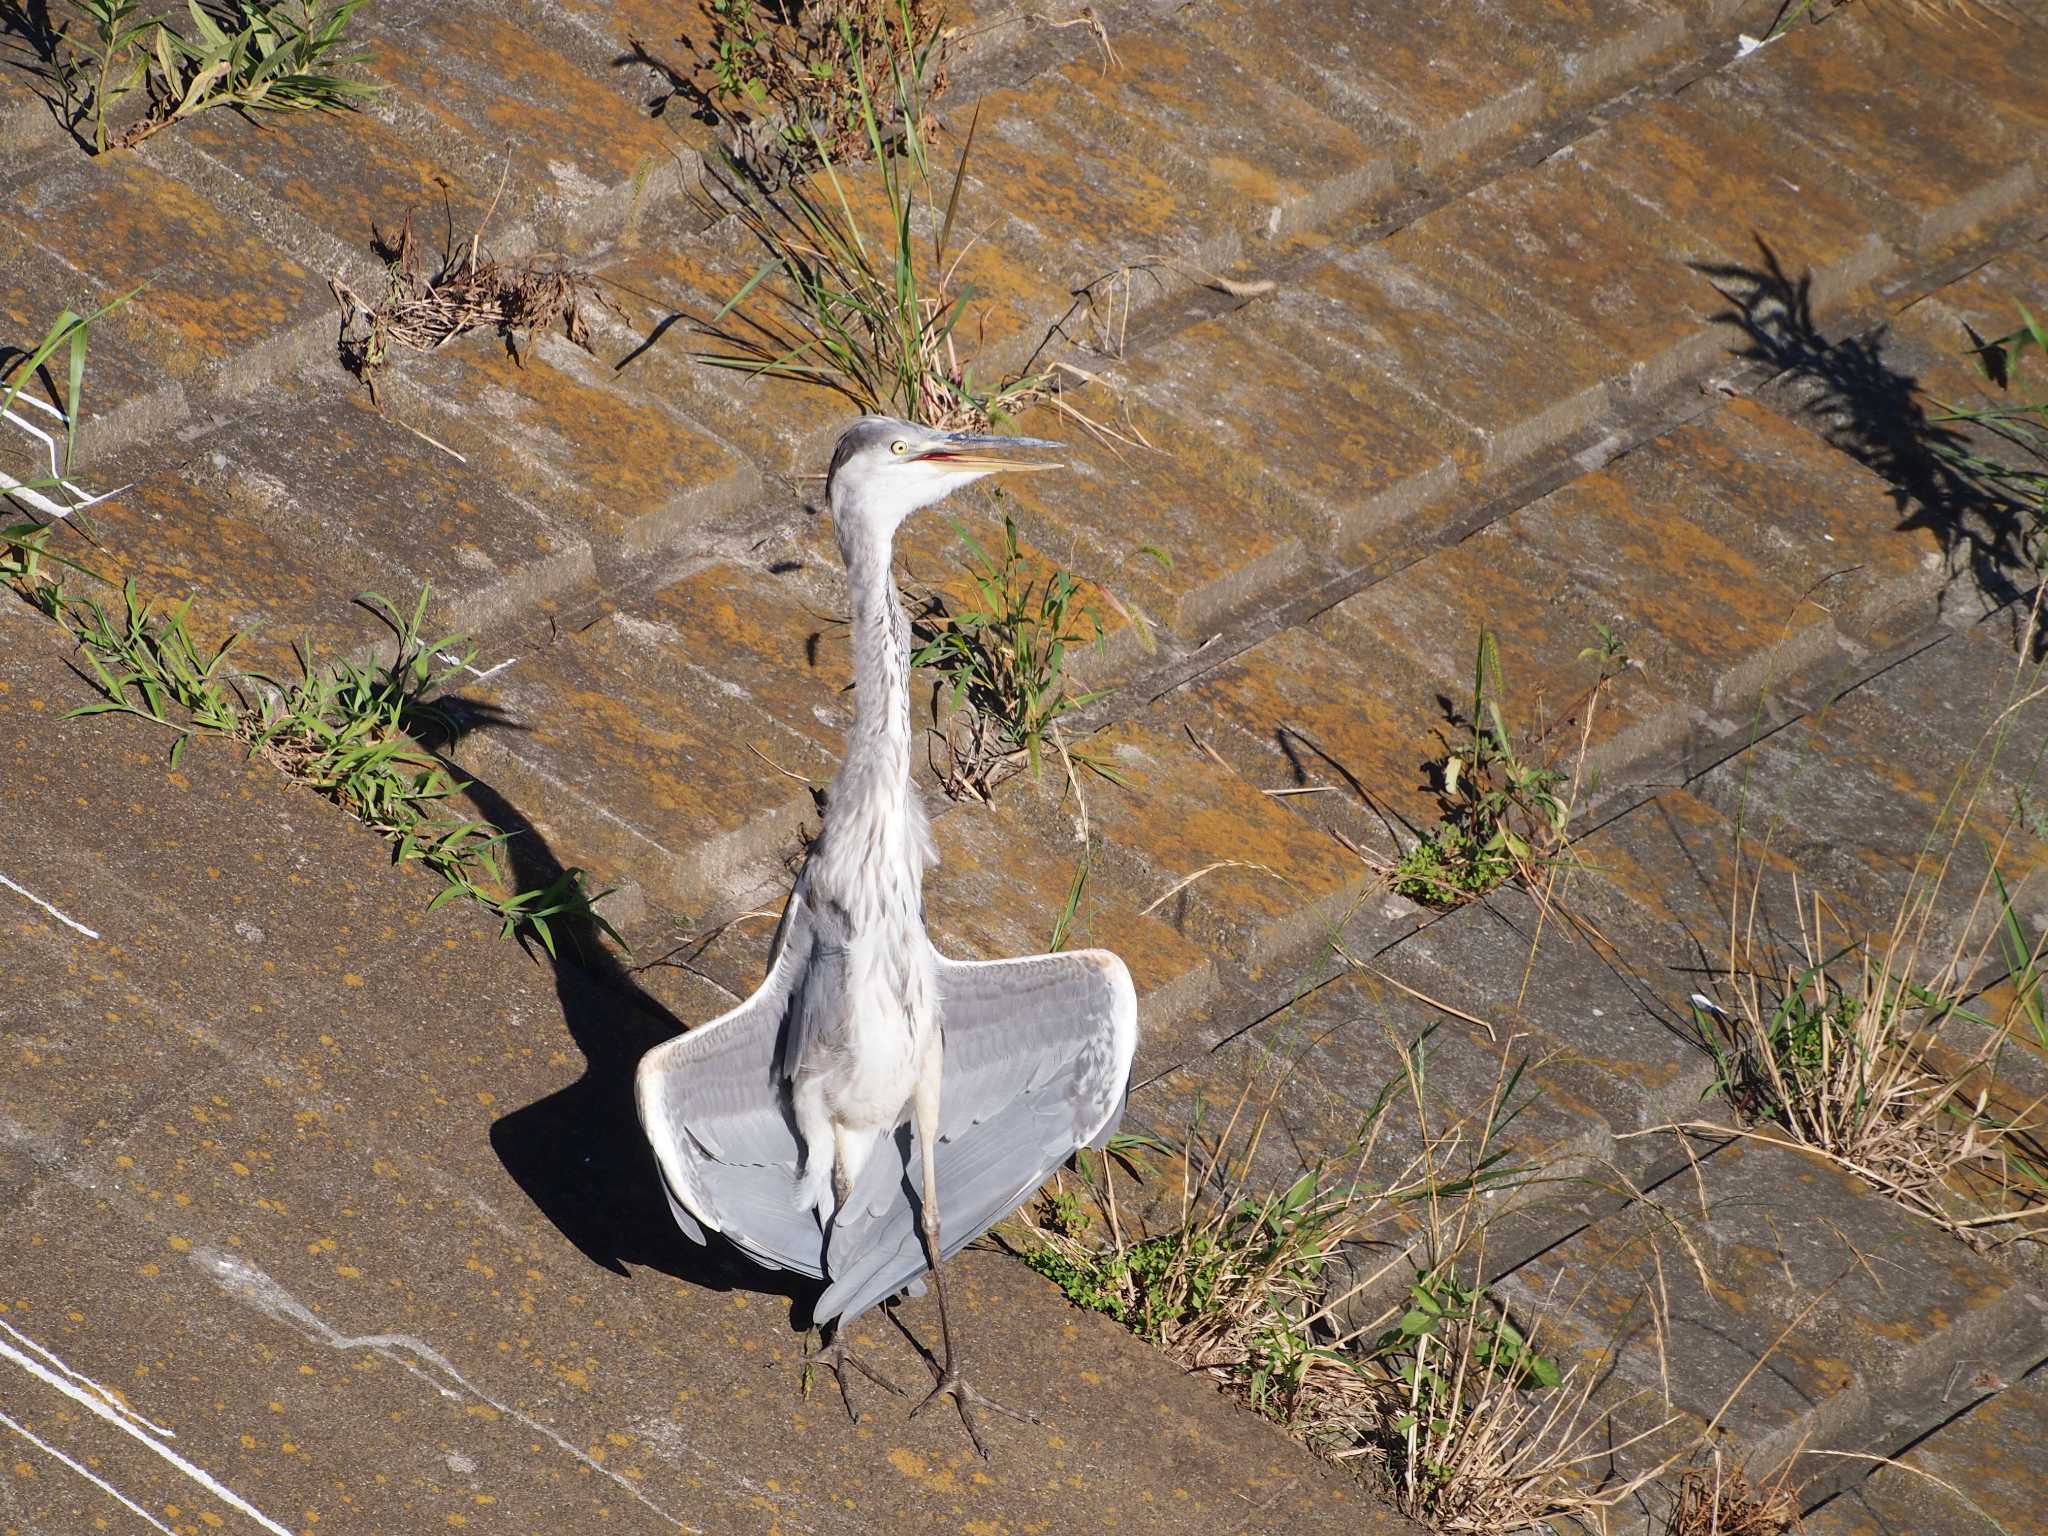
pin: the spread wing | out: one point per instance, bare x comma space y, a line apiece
1037, 1063
716, 1112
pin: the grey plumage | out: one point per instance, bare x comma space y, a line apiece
1030, 1075
873, 1098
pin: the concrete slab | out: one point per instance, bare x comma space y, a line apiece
1981, 1472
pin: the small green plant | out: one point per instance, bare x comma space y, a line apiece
1065, 1213
1002, 655
363, 734
2019, 423
26, 560
248, 55
1439, 1303
867, 313
784, 75
1504, 815
1070, 909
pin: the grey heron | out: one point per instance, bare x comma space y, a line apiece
875, 1106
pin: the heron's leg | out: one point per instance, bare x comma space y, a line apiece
925, 1115
836, 1357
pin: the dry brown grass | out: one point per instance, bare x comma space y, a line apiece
468, 291
1879, 1050
1713, 1499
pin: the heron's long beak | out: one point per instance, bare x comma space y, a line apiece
971, 451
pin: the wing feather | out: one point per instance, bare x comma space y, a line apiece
716, 1114
1037, 1060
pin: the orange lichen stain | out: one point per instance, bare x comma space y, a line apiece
180, 1244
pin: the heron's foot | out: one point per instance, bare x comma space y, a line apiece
837, 1358
967, 1400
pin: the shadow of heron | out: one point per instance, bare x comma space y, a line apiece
1861, 395
579, 1153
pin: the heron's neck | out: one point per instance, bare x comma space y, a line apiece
881, 658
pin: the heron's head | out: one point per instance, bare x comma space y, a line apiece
884, 469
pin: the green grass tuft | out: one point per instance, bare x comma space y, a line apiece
1003, 656
248, 55
364, 735
1505, 816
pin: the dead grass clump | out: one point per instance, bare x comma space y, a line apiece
1713, 1500
468, 291
1879, 1050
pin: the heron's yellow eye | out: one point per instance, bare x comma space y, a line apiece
899, 447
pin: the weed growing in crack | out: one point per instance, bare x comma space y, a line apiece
2019, 426
1001, 661
864, 311
784, 78
248, 55
26, 559
368, 736
1883, 1051
1347, 1306
1504, 815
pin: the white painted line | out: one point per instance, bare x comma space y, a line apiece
97, 1405
36, 499
85, 1472
472, 671
113, 1398
68, 922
